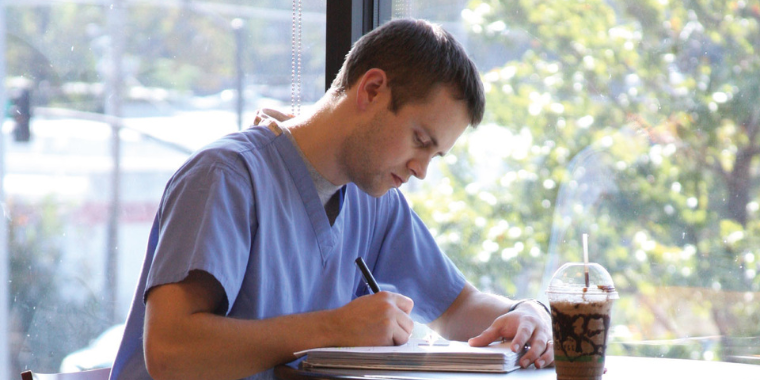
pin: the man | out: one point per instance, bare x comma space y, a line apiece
251, 257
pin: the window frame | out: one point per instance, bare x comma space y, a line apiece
346, 22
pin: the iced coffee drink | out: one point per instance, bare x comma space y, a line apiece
580, 320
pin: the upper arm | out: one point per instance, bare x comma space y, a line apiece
171, 315
167, 304
206, 223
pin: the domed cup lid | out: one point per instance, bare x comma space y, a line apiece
570, 279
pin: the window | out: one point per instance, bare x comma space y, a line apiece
75, 246
633, 122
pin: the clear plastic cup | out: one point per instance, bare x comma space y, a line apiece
581, 318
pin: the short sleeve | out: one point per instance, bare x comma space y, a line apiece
207, 221
411, 263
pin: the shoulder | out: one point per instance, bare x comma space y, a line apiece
234, 157
248, 141
234, 151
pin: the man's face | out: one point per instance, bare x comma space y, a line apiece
388, 149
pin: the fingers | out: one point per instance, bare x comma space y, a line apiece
403, 318
525, 328
534, 333
547, 358
486, 337
401, 302
404, 322
275, 114
387, 320
523, 334
404, 303
266, 116
539, 354
404, 331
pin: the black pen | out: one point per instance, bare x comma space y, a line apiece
368, 277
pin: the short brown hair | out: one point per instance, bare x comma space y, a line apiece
416, 55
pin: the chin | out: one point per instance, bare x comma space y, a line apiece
377, 193
374, 191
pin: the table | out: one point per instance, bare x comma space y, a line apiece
618, 368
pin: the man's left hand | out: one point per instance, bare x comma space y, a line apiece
527, 325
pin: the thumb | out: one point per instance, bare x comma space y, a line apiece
485, 338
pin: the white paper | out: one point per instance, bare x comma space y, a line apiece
417, 355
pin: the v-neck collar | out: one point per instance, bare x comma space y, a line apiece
327, 235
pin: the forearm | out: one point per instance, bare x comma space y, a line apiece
185, 339
205, 345
481, 311
471, 313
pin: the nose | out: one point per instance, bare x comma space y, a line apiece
418, 166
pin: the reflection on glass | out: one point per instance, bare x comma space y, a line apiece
177, 67
634, 122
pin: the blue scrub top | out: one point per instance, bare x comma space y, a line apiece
246, 210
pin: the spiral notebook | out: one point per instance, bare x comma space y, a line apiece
417, 355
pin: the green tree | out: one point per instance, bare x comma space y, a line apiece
181, 48
41, 312
634, 121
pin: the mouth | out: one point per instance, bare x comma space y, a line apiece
397, 180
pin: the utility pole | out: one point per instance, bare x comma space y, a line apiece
114, 84
237, 28
5, 256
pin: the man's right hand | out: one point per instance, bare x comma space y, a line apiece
186, 335
380, 319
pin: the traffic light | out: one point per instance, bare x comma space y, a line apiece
22, 113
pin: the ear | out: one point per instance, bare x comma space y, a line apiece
372, 88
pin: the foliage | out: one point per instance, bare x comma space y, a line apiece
184, 48
635, 122
41, 311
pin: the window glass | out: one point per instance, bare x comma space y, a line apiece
167, 74
635, 122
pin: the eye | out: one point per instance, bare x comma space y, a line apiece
418, 140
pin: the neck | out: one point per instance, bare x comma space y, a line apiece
320, 135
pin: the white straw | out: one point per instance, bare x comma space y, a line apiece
585, 257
